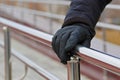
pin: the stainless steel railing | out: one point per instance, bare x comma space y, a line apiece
62, 2
28, 63
74, 68
102, 25
109, 63
56, 16
110, 6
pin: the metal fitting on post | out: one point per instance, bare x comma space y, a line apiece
74, 68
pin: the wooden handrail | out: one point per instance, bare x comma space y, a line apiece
113, 6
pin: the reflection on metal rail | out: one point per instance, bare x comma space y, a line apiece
25, 73
34, 12
100, 59
102, 25
57, 2
109, 65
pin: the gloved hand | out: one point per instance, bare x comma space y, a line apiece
66, 39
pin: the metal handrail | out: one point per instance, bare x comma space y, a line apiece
110, 6
115, 68
61, 2
110, 62
61, 17
35, 12
113, 6
108, 26
7, 53
31, 64
25, 29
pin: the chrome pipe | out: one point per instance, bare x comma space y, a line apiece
25, 74
105, 73
104, 39
74, 68
7, 48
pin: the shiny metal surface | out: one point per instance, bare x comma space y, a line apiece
7, 48
74, 68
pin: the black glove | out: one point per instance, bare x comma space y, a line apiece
66, 39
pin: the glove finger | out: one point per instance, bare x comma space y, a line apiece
63, 55
55, 40
57, 44
74, 39
53, 43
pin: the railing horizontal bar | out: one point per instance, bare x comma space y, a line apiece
57, 2
109, 60
26, 29
102, 60
31, 64
106, 58
46, 14
34, 66
35, 12
108, 26
113, 6
110, 6
56, 16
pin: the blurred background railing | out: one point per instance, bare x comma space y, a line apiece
47, 16
109, 64
28, 63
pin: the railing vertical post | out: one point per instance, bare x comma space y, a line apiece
105, 75
74, 68
104, 40
51, 22
35, 17
8, 73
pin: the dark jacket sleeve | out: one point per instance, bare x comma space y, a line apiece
85, 12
